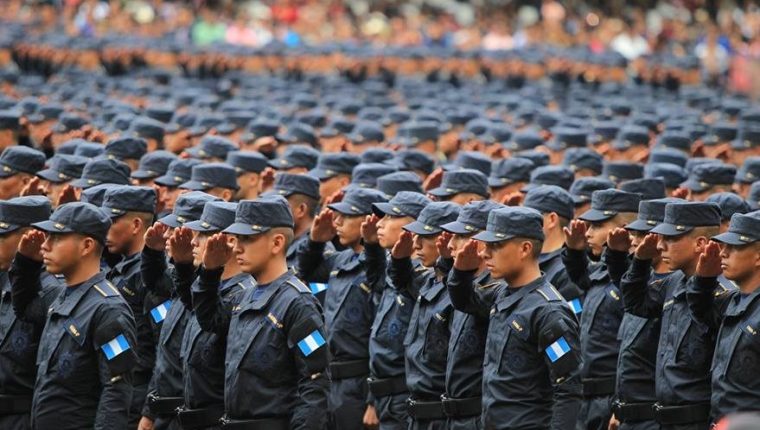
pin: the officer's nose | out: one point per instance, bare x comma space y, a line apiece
661, 246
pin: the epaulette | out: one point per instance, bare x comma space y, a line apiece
328, 253
549, 293
722, 289
299, 286
490, 285
106, 290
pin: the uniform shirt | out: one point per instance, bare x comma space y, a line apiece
735, 386
685, 346
348, 300
86, 352
203, 351
532, 360
292, 254
275, 361
601, 315
553, 267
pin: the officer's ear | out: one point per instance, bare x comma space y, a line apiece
227, 195
89, 246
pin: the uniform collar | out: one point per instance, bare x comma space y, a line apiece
240, 278
122, 266
269, 291
432, 289
738, 305
296, 244
504, 303
543, 258
72, 299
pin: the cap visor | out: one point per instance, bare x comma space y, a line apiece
491, 237
670, 230
442, 192
457, 227
280, 163
244, 229
594, 215
171, 221
320, 174
693, 185
529, 187
142, 174
421, 229
200, 226
9, 228
579, 200
52, 227
499, 182
82, 183
50, 176
639, 225
345, 209
385, 208
166, 181
730, 238
194, 186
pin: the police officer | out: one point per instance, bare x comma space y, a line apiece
217, 179
249, 165
61, 170
151, 166
18, 165
102, 171
203, 351
276, 356
178, 172
87, 348
602, 309
685, 349
348, 301
462, 186
127, 149
20, 338
169, 278
532, 335
334, 172
734, 313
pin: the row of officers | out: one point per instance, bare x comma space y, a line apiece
452, 314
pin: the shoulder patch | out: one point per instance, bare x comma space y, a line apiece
299, 286
106, 290
549, 293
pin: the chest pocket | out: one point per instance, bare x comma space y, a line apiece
354, 307
745, 351
20, 343
206, 349
71, 358
267, 352
396, 311
695, 342
437, 334
515, 355
639, 335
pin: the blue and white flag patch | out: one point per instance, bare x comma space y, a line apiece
115, 347
159, 312
311, 343
317, 287
558, 349
576, 305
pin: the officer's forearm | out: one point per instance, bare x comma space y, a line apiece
375, 260
153, 270
113, 408
700, 295
310, 258
309, 413
567, 402
183, 276
635, 289
210, 312
576, 263
443, 266
401, 273
460, 287
617, 264
24, 276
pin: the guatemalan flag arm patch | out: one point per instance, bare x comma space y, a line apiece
159, 312
557, 350
576, 305
311, 343
115, 347
317, 287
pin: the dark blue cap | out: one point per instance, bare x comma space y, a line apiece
296, 156
299, 133
651, 213
261, 215
473, 217
82, 218
148, 128
524, 141
212, 147
568, 137
708, 175
462, 181
23, 212
216, 216
471, 160
333, 164
123, 148
68, 147
604, 131
337, 127
551, 198
247, 161
366, 132
287, 184
69, 122
605, 204
154, 164
187, 208
46, 112
649, 188
404, 203
675, 140
20, 159
260, 128
413, 133
358, 201
510, 170
412, 159
433, 217
742, 230
749, 137
631, 135
618, 171
392, 183
537, 157
10, 120
498, 133
749, 172
366, 174
96, 194
667, 155
683, 217
120, 200
102, 171
89, 149
560, 176
376, 155
583, 158
583, 188
510, 222
720, 132
212, 175
754, 196
62, 168
729, 204
672, 174
693, 162
179, 172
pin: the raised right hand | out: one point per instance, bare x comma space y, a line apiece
369, 229
575, 235
180, 247
322, 229
647, 249
467, 258
30, 245
154, 236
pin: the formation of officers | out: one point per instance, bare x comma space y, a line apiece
319, 253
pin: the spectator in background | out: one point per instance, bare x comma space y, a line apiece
714, 57
498, 37
630, 44
240, 33
209, 28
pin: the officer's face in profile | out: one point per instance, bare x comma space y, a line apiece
122, 233
52, 190
199, 246
458, 241
389, 229
596, 235
505, 259
425, 249
348, 228
636, 238
740, 263
8, 246
254, 253
62, 253
680, 252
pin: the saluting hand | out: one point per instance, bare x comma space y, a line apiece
575, 235
403, 248
336, 197
619, 239
680, 193
442, 243
433, 180
369, 229
68, 195
32, 188
708, 265
218, 251
513, 199
30, 245
467, 258
323, 230
180, 245
647, 249
154, 236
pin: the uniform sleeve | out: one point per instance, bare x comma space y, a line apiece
183, 276
29, 303
401, 273
155, 274
463, 296
212, 314
558, 340
305, 321
707, 304
376, 262
443, 266
115, 342
638, 298
313, 266
617, 265
576, 263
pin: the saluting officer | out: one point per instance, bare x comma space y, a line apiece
87, 348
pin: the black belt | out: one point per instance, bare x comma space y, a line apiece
199, 418
163, 405
597, 387
633, 412
388, 386
430, 410
349, 369
458, 408
262, 424
687, 414
11, 405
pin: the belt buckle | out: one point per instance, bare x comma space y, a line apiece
657, 408
152, 397
224, 420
